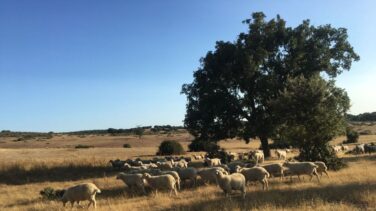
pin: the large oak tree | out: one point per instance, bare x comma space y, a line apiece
232, 89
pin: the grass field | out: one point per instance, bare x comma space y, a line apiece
26, 167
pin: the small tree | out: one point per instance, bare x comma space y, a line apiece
352, 136
139, 131
170, 147
311, 112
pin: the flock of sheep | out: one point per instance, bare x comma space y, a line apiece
358, 149
170, 173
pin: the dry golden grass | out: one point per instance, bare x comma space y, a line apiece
28, 167
353, 188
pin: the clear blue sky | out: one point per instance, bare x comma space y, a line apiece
84, 64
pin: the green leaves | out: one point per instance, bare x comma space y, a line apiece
234, 92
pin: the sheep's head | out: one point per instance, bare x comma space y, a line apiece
146, 175
119, 176
219, 173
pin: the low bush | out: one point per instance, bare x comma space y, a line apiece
127, 146
170, 148
352, 136
201, 145
82, 146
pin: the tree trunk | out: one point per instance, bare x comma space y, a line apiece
265, 146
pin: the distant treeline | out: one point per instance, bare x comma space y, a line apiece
136, 130
364, 117
112, 131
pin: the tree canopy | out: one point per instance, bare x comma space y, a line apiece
232, 90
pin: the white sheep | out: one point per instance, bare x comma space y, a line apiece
181, 164
198, 157
337, 148
213, 162
255, 174
165, 165
132, 180
275, 169
258, 156
175, 175
281, 154
344, 148
161, 182
227, 183
128, 167
82, 192
321, 168
359, 149
301, 168
208, 175
189, 173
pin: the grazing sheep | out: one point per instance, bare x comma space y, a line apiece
133, 180
281, 154
175, 175
227, 183
232, 166
337, 148
321, 168
181, 164
165, 165
344, 148
117, 164
128, 167
161, 182
369, 148
208, 175
255, 174
213, 162
302, 168
359, 149
198, 157
189, 173
275, 169
82, 192
258, 156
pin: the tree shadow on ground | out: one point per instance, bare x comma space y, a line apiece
286, 199
17, 175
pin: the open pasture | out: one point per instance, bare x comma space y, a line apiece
25, 171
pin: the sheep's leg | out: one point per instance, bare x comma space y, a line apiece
90, 202
263, 184
72, 203
243, 193
299, 178
317, 176
326, 173
176, 192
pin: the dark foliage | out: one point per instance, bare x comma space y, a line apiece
201, 145
170, 147
364, 117
127, 146
352, 136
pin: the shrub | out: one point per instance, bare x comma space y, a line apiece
170, 148
321, 153
127, 146
352, 136
81, 146
201, 145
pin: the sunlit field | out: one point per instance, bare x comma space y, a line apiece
26, 168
